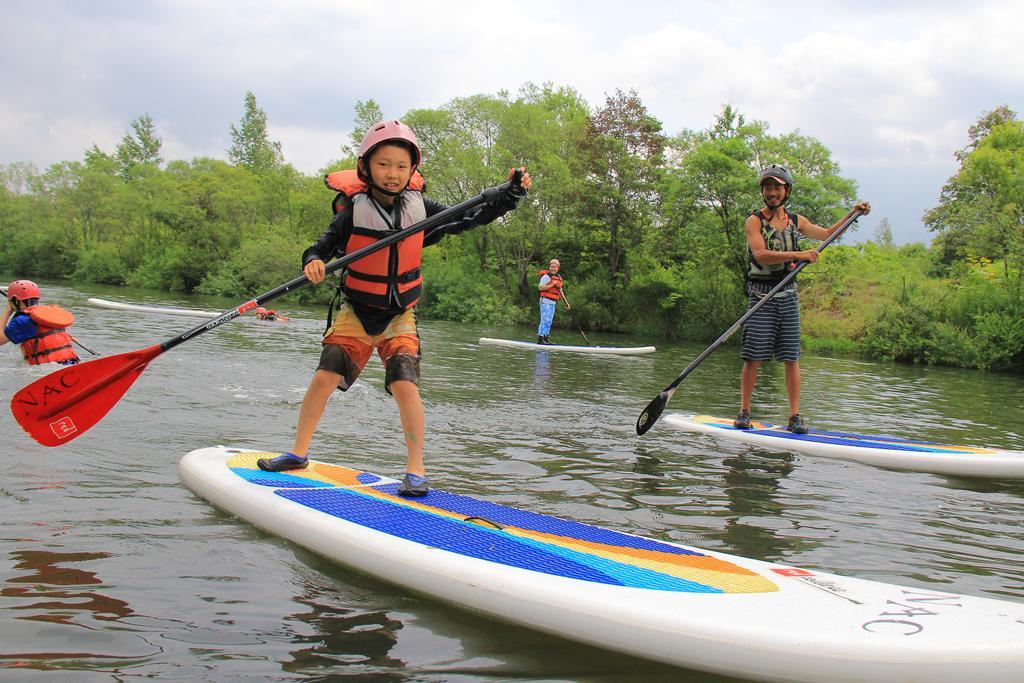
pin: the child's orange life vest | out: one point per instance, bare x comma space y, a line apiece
391, 277
52, 343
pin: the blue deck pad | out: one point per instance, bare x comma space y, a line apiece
503, 514
629, 574
279, 479
485, 543
779, 429
856, 440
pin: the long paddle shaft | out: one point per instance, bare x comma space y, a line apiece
654, 409
86, 348
64, 404
568, 307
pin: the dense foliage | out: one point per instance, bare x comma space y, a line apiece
648, 226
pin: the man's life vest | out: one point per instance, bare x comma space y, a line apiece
786, 239
52, 343
555, 292
390, 277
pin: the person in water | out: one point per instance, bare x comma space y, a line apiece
384, 194
773, 250
266, 314
551, 283
42, 331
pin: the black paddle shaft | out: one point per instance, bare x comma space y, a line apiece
653, 410
488, 195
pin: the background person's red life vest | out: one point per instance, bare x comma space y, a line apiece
52, 343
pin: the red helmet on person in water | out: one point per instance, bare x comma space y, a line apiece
22, 290
261, 311
390, 131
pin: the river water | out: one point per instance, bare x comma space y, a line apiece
111, 569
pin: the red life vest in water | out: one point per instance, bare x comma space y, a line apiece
52, 343
555, 293
390, 277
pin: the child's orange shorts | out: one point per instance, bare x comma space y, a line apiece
347, 348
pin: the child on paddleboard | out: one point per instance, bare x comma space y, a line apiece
384, 194
41, 330
773, 250
550, 287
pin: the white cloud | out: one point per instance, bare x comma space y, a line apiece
880, 83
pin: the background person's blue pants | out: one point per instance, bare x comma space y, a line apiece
547, 316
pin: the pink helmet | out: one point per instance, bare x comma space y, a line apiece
383, 131
22, 290
261, 310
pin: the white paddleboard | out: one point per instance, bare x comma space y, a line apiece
119, 306
662, 601
612, 350
881, 451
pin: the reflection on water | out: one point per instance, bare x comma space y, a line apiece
756, 510
542, 369
75, 617
59, 606
110, 565
341, 637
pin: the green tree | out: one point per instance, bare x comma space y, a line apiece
367, 113
883, 234
139, 148
969, 202
627, 148
250, 141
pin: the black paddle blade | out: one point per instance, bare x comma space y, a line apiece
652, 412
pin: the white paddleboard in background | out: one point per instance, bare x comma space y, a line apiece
642, 596
882, 451
611, 350
119, 306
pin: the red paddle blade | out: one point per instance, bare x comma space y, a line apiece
65, 404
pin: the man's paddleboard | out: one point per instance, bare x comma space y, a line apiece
662, 601
882, 451
613, 350
119, 306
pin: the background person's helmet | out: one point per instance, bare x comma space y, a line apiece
779, 173
393, 130
22, 290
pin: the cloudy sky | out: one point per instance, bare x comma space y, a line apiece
890, 87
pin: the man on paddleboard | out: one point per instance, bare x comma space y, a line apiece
550, 292
40, 330
773, 250
384, 194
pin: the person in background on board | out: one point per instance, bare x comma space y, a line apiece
40, 330
382, 288
773, 250
550, 287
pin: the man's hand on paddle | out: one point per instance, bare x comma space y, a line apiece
810, 255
